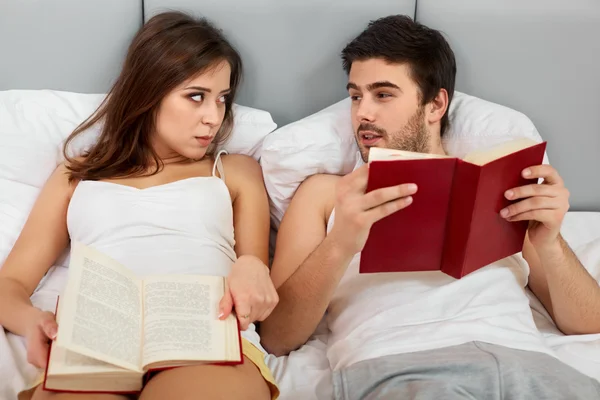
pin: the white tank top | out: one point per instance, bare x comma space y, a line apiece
373, 315
182, 227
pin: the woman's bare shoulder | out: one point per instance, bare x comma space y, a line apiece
241, 166
60, 180
239, 160
243, 174
78, 159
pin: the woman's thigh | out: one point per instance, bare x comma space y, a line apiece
41, 394
211, 381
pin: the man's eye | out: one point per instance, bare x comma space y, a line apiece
383, 95
355, 98
197, 97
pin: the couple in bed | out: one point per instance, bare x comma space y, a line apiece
417, 335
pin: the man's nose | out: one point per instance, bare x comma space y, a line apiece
365, 111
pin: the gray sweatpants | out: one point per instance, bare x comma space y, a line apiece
476, 370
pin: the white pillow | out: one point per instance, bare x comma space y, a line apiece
324, 143
33, 127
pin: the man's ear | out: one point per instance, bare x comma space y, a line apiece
437, 107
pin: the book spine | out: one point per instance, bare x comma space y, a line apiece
50, 347
460, 218
491, 237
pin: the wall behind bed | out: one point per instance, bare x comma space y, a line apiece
540, 57
71, 45
290, 48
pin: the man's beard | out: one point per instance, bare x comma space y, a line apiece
413, 136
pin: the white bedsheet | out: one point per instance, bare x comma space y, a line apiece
305, 374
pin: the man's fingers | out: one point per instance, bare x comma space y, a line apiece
540, 215
382, 211
358, 178
533, 203
532, 190
547, 172
385, 195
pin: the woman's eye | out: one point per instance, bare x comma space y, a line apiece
223, 99
197, 97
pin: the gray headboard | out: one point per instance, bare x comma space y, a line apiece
290, 47
72, 45
540, 57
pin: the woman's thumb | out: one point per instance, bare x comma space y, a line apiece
225, 305
49, 326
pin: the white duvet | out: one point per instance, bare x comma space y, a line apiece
305, 374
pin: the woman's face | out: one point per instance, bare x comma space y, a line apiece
190, 116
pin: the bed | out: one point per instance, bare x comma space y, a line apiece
538, 57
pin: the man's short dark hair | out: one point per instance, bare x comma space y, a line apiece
399, 39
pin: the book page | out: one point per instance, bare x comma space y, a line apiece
181, 319
380, 154
65, 362
72, 371
100, 310
484, 156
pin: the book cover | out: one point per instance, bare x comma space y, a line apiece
453, 224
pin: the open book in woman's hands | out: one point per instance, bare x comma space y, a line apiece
114, 327
453, 224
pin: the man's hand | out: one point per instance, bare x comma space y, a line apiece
356, 211
544, 205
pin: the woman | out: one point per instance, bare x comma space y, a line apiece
154, 194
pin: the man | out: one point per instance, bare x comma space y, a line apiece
424, 334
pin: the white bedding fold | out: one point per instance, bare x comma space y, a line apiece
305, 373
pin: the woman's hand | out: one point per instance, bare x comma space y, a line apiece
251, 292
40, 332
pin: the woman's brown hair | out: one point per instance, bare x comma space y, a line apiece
169, 49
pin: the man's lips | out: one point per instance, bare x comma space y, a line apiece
368, 138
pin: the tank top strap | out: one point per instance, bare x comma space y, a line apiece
218, 165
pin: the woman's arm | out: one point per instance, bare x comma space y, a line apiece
251, 291
43, 238
251, 222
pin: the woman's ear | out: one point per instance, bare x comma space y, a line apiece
437, 107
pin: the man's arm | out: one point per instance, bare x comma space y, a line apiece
306, 268
565, 288
308, 263
557, 278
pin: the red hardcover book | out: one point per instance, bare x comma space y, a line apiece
114, 329
454, 223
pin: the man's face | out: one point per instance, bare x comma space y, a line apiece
386, 108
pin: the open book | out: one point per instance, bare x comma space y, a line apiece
114, 327
454, 223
